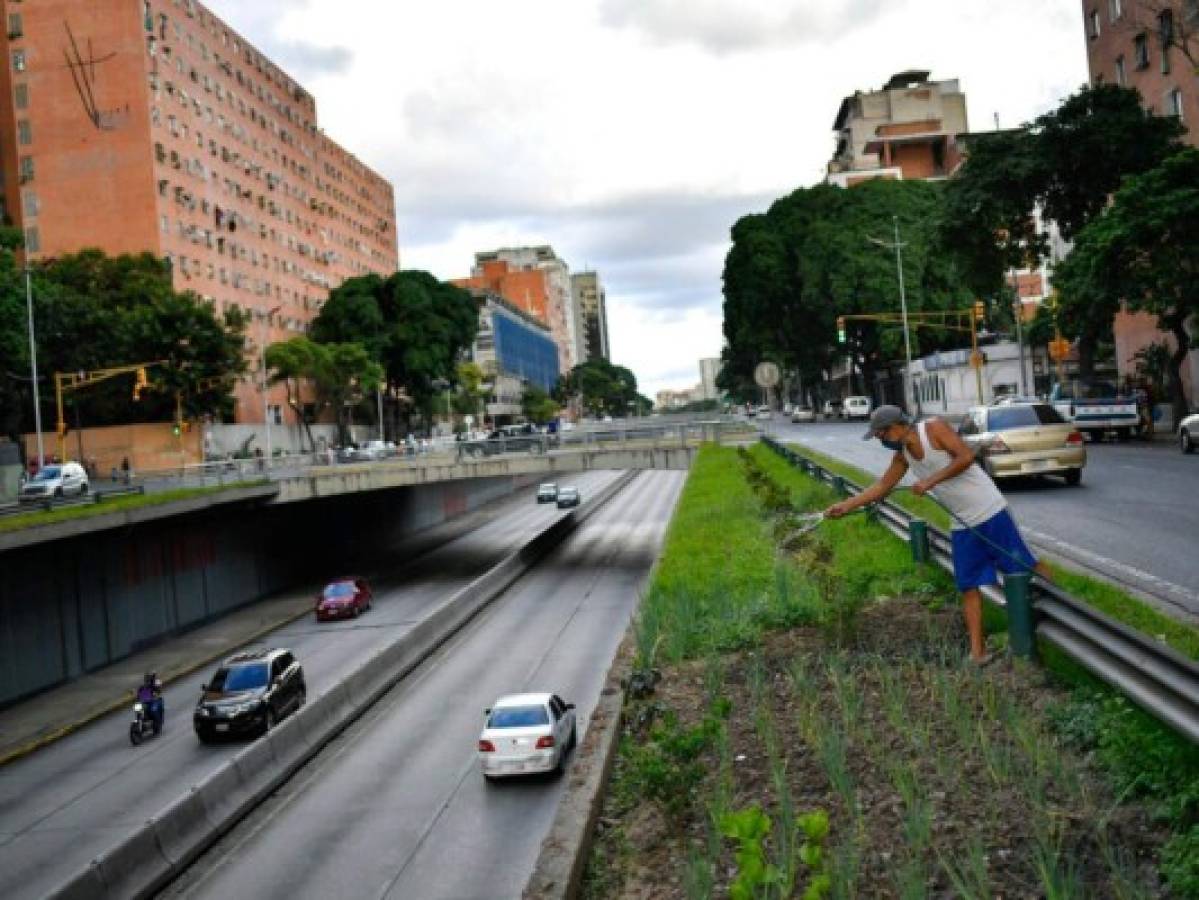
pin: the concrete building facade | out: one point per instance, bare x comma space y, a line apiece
151, 126
907, 129
514, 349
1153, 46
709, 370
591, 305
526, 289
560, 313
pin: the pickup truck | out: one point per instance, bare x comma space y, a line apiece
510, 439
1096, 408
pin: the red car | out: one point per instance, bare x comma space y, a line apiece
343, 598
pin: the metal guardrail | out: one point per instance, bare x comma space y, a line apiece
1153, 675
51, 503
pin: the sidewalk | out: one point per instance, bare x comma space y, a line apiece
55, 713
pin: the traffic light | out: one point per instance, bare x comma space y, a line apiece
980, 310
176, 430
140, 383
840, 329
187, 426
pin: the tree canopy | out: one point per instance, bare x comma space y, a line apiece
816, 255
1144, 251
340, 374
601, 387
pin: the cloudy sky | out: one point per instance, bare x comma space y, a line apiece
631, 134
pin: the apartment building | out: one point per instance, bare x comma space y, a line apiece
1153, 46
151, 126
514, 349
526, 289
559, 308
907, 129
591, 308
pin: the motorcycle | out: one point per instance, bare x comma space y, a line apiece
144, 724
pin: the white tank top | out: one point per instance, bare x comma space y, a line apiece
971, 495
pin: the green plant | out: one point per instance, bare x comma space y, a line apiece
968, 872
749, 827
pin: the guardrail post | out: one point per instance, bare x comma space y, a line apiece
918, 538
839, 486
1021, 631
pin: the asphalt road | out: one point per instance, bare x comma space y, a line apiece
1134, 518
65, 804
397, 806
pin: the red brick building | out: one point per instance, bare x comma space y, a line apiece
1153, 46
526, 289
149, 125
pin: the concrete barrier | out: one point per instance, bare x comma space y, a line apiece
139, 866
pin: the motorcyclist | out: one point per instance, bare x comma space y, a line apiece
150, 694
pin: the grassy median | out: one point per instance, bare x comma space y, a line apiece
802, 720
123, 503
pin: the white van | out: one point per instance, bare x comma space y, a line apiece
55, 481
856, 408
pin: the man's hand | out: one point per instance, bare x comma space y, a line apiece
837, 510
920, 488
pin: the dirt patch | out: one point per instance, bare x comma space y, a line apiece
938, 779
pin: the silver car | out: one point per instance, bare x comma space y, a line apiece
1188, 433
525, 734
55, 482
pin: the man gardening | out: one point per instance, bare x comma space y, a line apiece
985, 537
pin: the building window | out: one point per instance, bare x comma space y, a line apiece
1174, 103
33, 240
1140, 50
1115, 9
15, 29
1165, 31
18, 60
24, 132
21, 96
29, 203
1121, 73
26, 167
1093, 24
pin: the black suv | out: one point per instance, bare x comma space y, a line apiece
249, 694
526, 438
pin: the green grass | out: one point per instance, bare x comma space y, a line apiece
114, 504
1101, 595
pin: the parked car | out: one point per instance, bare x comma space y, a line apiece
1097, 408
763, 411
348, 453
373, 450
547, 493
1188, 433
1014, 439
249, 694
55, 482
526, 733
832, 409
568, 497
344, 598
856, 408
803, 414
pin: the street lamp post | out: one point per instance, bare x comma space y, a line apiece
903, 306
37, 403
266, 407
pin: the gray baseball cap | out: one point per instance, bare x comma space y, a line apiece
885, 417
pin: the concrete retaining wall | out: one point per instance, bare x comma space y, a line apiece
159, 850
74, 605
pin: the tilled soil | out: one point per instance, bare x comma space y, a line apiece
939, 779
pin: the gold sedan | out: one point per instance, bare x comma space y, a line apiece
1022, 439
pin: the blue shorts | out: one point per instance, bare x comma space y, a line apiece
975, 559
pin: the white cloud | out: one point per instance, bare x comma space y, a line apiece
630, 134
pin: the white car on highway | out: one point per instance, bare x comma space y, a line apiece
526, 733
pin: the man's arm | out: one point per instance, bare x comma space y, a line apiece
945, 438
876, 491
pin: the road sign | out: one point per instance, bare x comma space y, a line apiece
766, 375
468, 419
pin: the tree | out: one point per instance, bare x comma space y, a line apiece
538, 406
340, 375
1144, 250
602, 388
415, 326
1068, 161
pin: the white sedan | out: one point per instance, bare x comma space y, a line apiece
1188, 433
526, 733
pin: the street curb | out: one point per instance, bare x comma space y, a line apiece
208, 810
100, 712
565, 850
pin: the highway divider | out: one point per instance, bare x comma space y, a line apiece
1153, 675
165, 845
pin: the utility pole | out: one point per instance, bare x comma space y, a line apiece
903, 307
1018, 309
37, 402
266, 408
